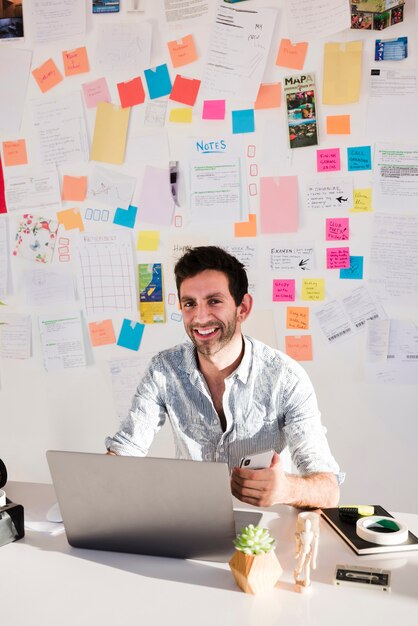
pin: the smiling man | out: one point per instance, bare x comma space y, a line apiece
227, 395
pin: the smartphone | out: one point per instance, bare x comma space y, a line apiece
105, 6
257, 461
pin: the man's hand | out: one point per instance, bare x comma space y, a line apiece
261, 487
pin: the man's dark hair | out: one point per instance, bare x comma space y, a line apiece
202, 258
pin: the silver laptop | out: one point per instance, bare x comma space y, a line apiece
162, 507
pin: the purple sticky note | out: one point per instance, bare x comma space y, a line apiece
95, 92
284, 290
338, 258
337, 228
328, 160
213, 110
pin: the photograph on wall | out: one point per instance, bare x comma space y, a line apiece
151, 298
301, 110
105, 6
11, 20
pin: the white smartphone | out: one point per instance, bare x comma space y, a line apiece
257, 461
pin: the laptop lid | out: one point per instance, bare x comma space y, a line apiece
145, 505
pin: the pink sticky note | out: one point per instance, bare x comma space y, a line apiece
284, 290
279, 208
213, 110
338, 257
95, 92
337, 228
328, 160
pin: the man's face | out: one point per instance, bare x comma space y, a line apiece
210, 314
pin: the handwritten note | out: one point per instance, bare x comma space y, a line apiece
299, 347
284, 290
292, 55
338, 258
297, 317
328, 160
75, 61
359, 158
182, 51
362, 200
47, 75
101, 333
355, 269
14, 152
96, 91
337, 228
313, 289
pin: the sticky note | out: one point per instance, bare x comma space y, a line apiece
243, 121
131, 93
279, 204
148, 240
96, 91
75, 61
14, 152
70, 219
130, 335
342, 72
328, 160
126, 217
313, 289
336, 228
362, 200
355, 270
47, 75
292, 55
338, 258
359, 158
101, 333
213, 110
182, 51
183, 115
185, 90
246, 229
74, 188
158, 81
284, 290
269, 96
338, 124
299, 347
109, 138
297, 317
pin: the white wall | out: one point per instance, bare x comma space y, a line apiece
372, 428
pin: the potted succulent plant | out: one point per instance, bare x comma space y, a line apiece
255, 565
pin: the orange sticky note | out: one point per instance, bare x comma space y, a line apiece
269, 96
70, 219
75, 61
246, 229
15, 152
47, 75
297, 317
185, 90
338, 125
74, 188
101, 333
292, 55
131, 93
182, 51
299, 348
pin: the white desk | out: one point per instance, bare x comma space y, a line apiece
46, 582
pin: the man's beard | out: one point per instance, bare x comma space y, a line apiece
227, 332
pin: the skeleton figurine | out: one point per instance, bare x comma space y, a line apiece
307, 538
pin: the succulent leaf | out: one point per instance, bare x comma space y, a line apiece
254, 540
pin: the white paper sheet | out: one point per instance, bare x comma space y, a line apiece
4, 257
61, 129
400, 364
124, 46
54, 20
45, 287
246, 253
185, 10
62, 342
14, 72
395, 184
287, 257
215, 190
330, 194
33, 189
126, 375
309, 20
15, 335
237, 53
110, 187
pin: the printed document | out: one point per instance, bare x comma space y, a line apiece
392, 352
15, 335
215, 190
62, 342
308, 20
14, 72
395, 177
33, 189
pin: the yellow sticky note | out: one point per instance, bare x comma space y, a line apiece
297, 317
70, 219
342, 72
299, 348
313, 289
338, 125
246, 229
109, 139
362, 200
182, 115
148, 240
102, 333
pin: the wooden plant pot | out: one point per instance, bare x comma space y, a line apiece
255, 573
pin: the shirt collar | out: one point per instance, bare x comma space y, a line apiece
242, 372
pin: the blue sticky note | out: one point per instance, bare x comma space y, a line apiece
158, 81
355, 270
359, 158
126, 217
130, 335
243, 121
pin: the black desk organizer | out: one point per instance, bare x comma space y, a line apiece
12, 521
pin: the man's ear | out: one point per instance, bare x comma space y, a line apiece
245, 307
